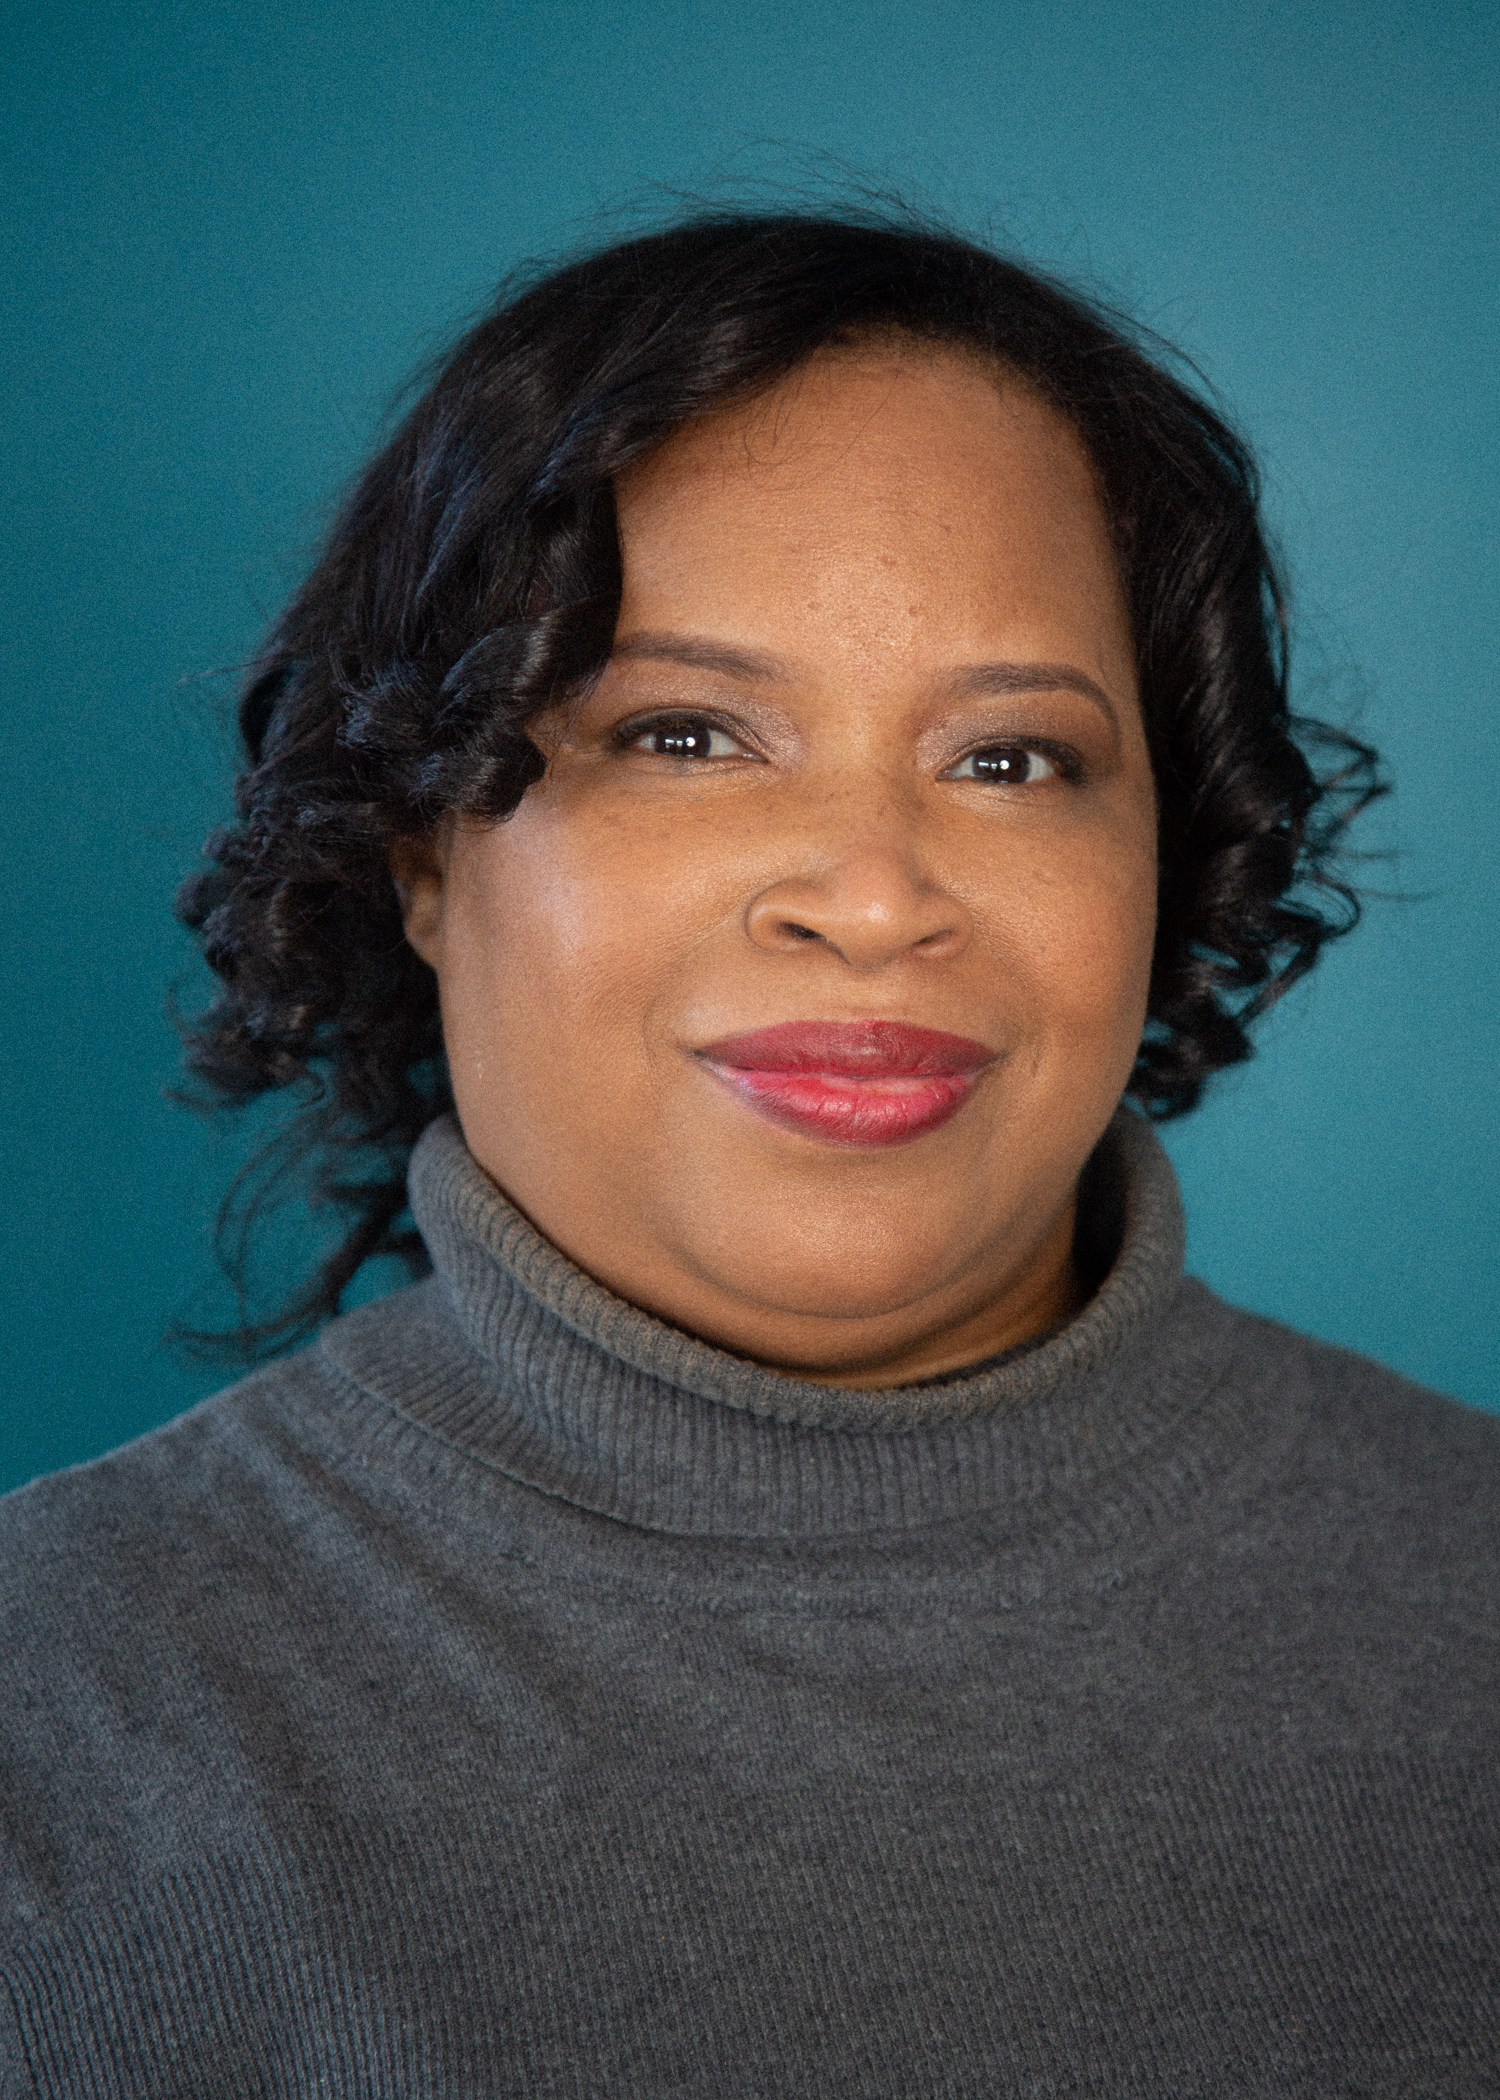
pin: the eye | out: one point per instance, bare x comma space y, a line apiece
687, 737
1005, 765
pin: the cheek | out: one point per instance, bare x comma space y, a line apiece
562, 933
1078, 930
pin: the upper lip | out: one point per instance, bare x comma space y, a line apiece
858, 1049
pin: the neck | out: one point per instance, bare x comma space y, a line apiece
514, 1355
493, 1263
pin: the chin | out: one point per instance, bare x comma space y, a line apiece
809, 1268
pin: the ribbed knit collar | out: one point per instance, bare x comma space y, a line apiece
516, 1355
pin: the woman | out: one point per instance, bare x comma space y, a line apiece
789, 737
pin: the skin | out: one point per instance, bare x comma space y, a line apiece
828, 577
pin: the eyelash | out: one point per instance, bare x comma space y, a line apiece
627, 735
1065, 763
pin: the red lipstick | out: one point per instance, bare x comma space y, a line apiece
850, 1082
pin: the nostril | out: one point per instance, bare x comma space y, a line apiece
802, 933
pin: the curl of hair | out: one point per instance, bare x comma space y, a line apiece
472, 579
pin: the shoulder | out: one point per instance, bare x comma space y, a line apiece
216, 1504
141, 1499
1377, 1421
146, 1600
123, 1580
218, 1470
1362, 1468
154, 1549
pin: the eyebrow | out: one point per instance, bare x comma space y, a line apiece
1033, 678
761, 666
702, 655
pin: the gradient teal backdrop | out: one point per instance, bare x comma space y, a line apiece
237, 227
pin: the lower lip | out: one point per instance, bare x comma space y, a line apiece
847, 1110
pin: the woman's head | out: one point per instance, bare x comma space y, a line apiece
848, 627
867, 757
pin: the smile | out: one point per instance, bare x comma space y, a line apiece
850, 1082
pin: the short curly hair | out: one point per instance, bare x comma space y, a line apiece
472, 578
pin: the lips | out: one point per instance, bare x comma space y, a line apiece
850, 1082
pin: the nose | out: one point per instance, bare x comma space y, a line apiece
870, 904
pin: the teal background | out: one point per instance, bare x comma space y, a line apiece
234, 228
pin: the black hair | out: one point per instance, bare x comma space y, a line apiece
472, 579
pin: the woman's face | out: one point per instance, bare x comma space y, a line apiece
867, 760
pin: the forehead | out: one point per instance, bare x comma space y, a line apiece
885, 496
896, 420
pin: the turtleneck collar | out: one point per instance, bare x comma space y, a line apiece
515, 1354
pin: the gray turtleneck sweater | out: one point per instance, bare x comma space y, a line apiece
510, 1695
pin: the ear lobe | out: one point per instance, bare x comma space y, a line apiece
416, 867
